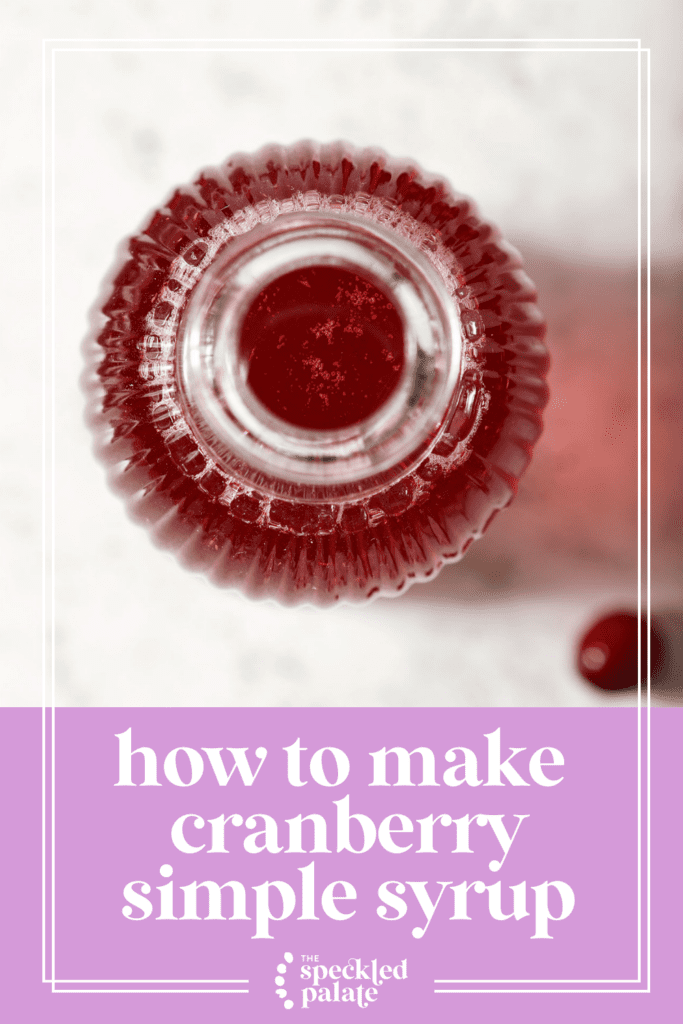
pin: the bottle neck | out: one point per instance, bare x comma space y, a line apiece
250, 440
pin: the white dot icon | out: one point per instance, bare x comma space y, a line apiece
280, 980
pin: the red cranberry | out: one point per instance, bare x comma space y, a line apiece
608, 652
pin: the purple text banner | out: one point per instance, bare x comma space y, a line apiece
317, 861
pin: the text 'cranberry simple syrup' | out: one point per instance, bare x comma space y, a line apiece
317, 374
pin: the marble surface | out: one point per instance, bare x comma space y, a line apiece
546, 142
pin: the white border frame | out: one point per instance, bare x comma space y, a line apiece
49, 469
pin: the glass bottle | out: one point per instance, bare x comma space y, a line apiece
317, 374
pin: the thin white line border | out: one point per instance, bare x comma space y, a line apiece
49, 465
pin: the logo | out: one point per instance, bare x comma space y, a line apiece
355, 982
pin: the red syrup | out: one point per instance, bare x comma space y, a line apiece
324, 347
250, 461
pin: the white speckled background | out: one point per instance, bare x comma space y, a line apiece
546, 143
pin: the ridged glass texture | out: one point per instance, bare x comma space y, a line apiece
257, 534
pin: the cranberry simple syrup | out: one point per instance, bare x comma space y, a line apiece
317, 374
324, 347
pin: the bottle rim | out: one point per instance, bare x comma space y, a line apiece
242, 434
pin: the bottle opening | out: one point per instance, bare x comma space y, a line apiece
317, 352
324, 347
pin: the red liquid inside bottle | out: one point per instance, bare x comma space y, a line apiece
318, 374
324, 347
